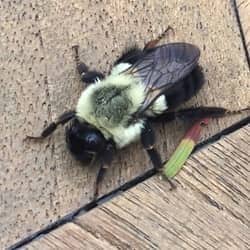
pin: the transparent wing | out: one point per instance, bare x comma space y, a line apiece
162, 67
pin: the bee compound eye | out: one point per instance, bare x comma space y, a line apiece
94, 141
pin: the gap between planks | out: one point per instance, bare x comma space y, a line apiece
242, 10
209, 209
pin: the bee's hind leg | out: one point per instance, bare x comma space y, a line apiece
151, 44
87, 76
148, 141
196, 113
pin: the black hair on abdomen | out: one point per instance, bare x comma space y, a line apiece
183, 90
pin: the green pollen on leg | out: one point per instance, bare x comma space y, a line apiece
175, 163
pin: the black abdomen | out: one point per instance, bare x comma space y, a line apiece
185, 89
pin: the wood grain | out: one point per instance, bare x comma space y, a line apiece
40, 182
70, 236
244, 10
209, 209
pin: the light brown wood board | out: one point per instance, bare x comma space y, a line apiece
40, 182
209, 209
243, 7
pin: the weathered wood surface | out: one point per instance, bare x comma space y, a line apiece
244, 10
209, 209
41, 182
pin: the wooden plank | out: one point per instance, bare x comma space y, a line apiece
70, 236
209, 209
244, 10
41, 182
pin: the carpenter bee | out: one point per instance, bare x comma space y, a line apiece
144, 85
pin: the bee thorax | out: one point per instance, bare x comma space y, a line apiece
111, 105
123, 136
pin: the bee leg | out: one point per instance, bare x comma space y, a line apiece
86, 75
107, 157
148, 141
64, 118
151, 44
197, 113
99, 179
167, 116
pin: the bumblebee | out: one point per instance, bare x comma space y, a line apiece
144, 86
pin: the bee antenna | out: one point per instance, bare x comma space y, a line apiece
62, 119
75, 49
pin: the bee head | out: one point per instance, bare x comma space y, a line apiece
84, 141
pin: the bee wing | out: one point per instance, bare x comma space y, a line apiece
162, 67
